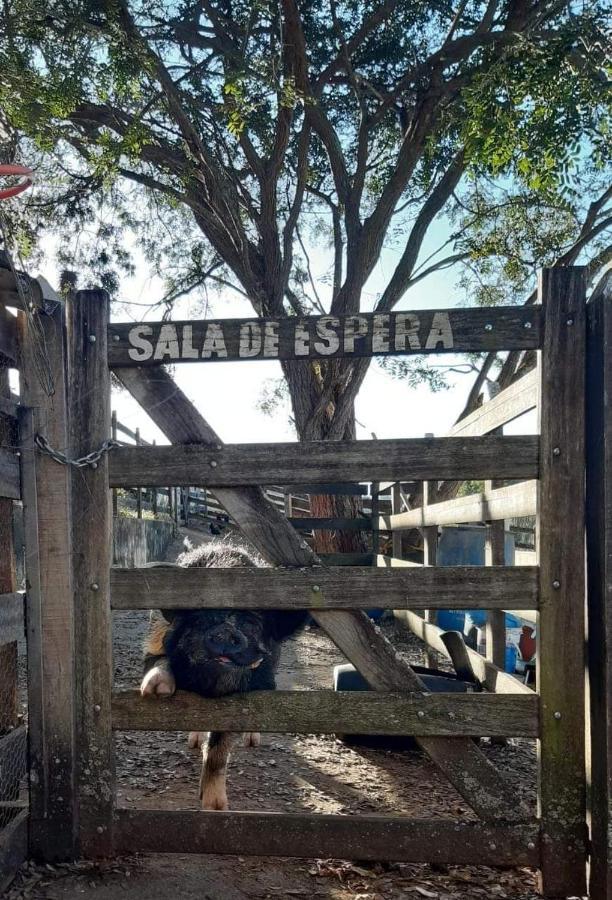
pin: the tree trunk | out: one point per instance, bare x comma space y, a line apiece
314, 421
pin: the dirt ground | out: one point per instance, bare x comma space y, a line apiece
314, 773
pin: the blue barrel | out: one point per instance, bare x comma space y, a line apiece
451, 619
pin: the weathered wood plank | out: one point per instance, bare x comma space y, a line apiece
493, 678
562, 583
50, 609
13, 848
520, 397
327, 712
460, 759
260, 464
461, 587
500, 503
325, 337
10, 487
324, 836
90, 425
11, 617
599, 559
9, 654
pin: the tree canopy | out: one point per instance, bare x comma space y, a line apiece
232, 135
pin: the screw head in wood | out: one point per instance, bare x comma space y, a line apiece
92, 339
116, 338
531, 845
421, 714
569, 321
97, 708
488, 327
316, 588
556, 451
493, 846
95, 586
94, 465
213, 464
527, 325
556, 585
557, 715
100, 830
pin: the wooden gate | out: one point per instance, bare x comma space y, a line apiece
73, 806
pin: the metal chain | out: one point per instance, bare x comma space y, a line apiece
92, 459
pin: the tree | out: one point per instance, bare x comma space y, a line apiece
243, 122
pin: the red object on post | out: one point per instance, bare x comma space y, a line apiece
24, 184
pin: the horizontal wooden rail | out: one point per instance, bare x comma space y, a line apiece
461, 587
261, 464
327, 712
500, 503
11, 618
363, 523
493, 678
325, 337
517, 399
10, 484
309, 835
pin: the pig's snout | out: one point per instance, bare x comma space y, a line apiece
225, 641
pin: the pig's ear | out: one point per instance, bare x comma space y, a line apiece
168, 614
282, 624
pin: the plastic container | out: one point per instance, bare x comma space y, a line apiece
451, 620
510, 659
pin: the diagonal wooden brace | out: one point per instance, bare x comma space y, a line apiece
463, 763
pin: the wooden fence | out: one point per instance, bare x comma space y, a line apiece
73, 711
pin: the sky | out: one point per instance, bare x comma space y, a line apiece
227, 393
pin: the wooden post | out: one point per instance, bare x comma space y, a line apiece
154, 498
89, 401
396, 507
138, 489
114, 437
374, 514
430, 553
9, 708
50, 620
561, 633
495, 555
599, 556
185, 495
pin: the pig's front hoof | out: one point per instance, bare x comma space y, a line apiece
196, 739
214, 796
158, 682
252, 739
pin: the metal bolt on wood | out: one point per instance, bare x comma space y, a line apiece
556, 585
421, 714
316, 588
488, 327
570, 322
97, 708
92, 339
527, 325
95, 586
557, 715
213, 463
556, 451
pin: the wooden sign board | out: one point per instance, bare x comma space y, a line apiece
321, 337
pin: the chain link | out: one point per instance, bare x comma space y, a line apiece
92, 459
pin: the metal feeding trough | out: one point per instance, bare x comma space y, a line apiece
461, 681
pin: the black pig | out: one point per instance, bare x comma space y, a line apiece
214, 652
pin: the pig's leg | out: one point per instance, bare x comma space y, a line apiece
215, 757
158, 679
197, 739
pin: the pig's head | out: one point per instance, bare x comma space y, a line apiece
216, 651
